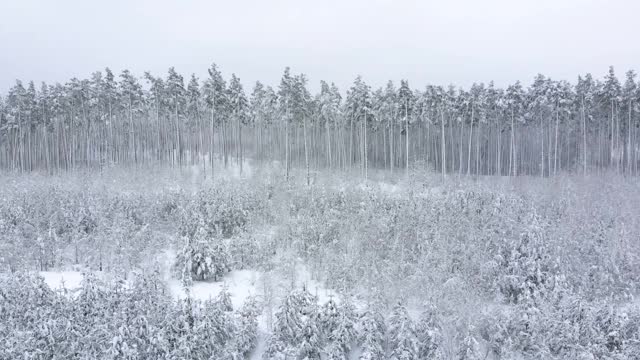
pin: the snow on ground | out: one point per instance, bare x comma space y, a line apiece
57, 279
304, 279
280, 284
241, 284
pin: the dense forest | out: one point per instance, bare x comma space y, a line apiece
543, 129
146, 218
469, 269
319, 180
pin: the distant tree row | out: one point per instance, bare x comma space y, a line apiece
543, 129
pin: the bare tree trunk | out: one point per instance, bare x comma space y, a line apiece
542, 148
618, 157
240, 150
612, 135
212, 142
177, 149
511, 148
306, 152
584, 140
460, 147
287, 146
328, 129
470, 137
351, 144
406, 116
555, 151
499, 155
391, 154
364, 126
629, 138
443, 165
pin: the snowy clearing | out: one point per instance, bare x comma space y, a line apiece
69, 280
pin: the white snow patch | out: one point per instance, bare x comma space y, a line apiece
69, 280
241, 284
388, 188
314, 287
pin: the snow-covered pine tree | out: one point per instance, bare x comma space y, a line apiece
277, 350
216, 327
203, 257
428, 333
119, 347
372, 338
220, 259
343, 333
328, 317
183, 264
296, 322
247, 327
403, 343
202, 262
224, 299
334, 352
469, 346
310, 344
91, 295
178, 331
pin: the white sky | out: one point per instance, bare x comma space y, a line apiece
437, 42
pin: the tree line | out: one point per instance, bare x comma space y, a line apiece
544, 129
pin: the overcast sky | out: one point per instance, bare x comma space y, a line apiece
437, 42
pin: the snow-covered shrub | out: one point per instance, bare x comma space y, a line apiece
105, 319
428, 333
55, 227
202, 258
310, 341
296, 329
565, 327
247, 327
328, 317
223, 212
168, 204
334, 352
526, 268
337, 324
244, 251
372, 335
403, 343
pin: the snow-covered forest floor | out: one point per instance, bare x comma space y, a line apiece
165, 263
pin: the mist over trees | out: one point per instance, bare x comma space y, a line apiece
542, 129
186, 246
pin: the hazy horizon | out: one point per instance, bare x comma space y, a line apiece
215, 222
458, 42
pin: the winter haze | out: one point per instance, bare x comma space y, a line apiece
439, 42
327, 180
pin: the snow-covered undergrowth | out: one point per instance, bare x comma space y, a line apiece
414, 269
